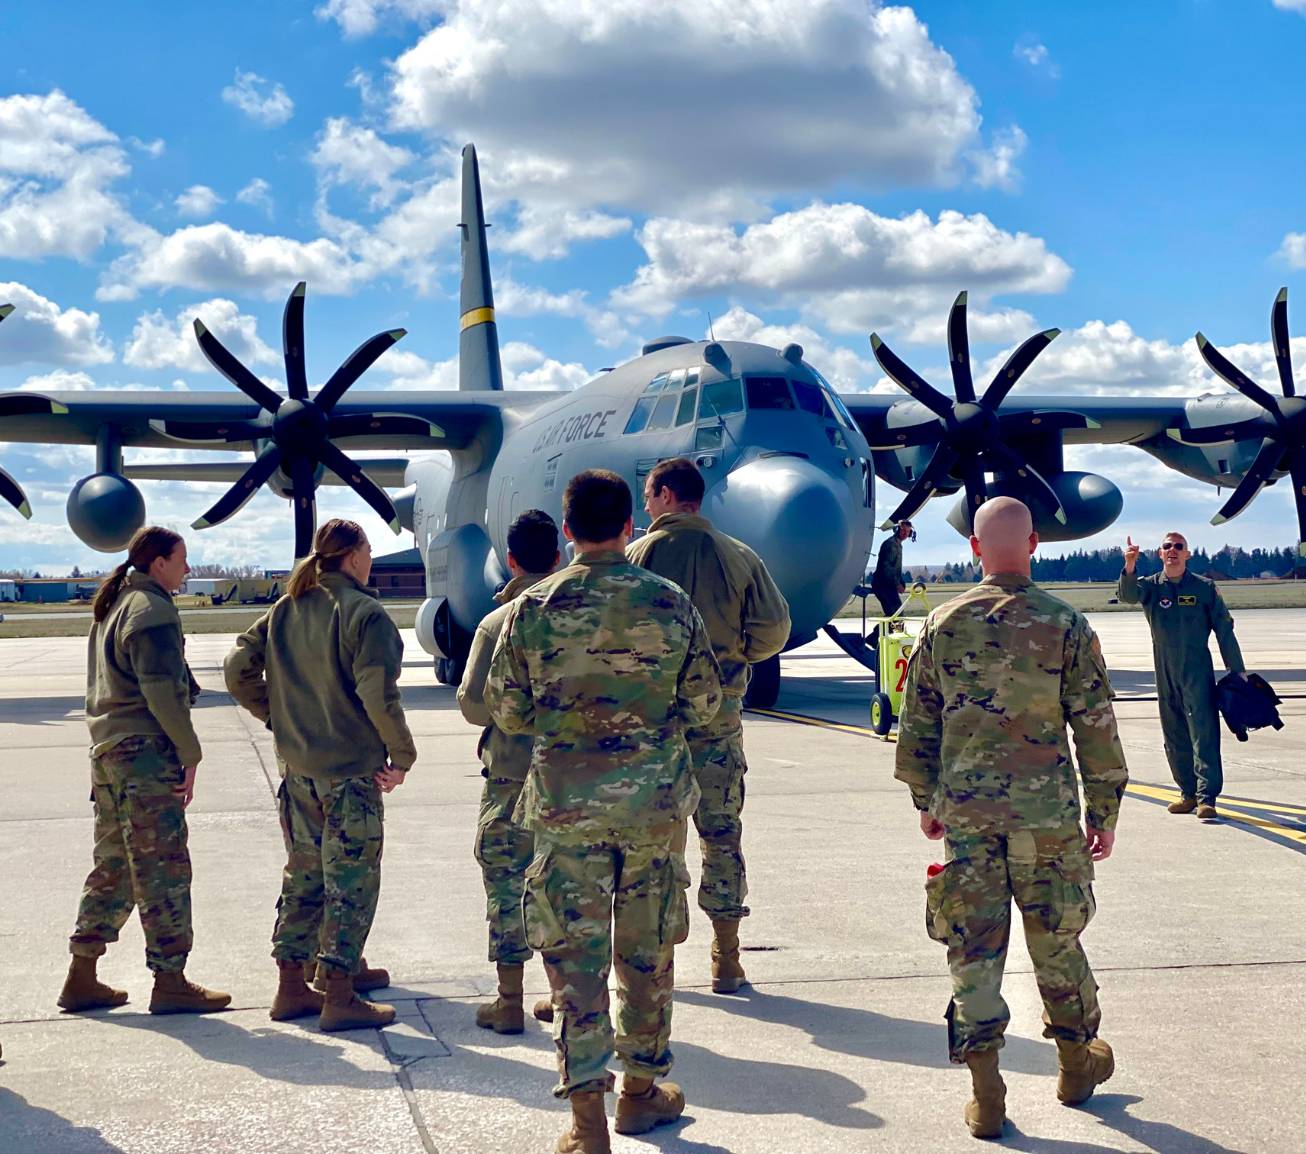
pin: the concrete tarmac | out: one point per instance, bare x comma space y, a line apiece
1199, 946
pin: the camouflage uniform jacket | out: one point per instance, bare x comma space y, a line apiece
323, 669
746, 615
995, 676
606, 664
1182, 616
137, 681
505, 756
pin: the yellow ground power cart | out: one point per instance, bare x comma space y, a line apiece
895, 637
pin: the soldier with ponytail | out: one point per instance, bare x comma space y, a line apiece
321, 669
144, 753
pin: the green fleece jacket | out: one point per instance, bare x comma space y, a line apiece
137, 683
323, 670
746, 615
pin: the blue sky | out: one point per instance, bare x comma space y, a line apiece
806, 169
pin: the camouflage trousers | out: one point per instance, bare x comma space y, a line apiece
504, 850
718, 753
968, 908
617, 903
332, 879
141, 856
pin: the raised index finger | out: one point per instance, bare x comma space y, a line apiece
1129, 541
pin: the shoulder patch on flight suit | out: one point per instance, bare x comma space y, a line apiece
1187, 598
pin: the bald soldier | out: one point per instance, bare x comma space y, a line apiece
996, 676
1183, 610
747, 620
606, 665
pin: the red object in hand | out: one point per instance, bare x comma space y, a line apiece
933, 870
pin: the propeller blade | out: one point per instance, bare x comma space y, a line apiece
235, 498
12, 492
1267, 461
904, 378
25, 404
959, 351
945, 456
355, 365
976, 489
380, 424
1223, 434
1298, 470
1043, 421
1024, 356
361, 484
303, 480
1225, 369
5, 310
908, 436
292, 343
1282, 350
200, 432
1000, 456
234, 371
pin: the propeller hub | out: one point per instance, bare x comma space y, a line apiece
299, 425
974, 426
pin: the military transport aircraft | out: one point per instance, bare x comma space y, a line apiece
790, 464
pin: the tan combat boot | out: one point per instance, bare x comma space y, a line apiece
643, 1105
987, 1109
345, 1010
504, 1015
1083, 1065
543, 1010
1183, 805
588, 1133
82, 990
727, 974
1207, 812
294, 999
365, 977
173, 994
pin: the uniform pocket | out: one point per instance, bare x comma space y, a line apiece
543, 926
1075, 905
939, 904
675, 901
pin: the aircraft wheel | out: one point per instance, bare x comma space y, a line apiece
881, 714
448, 671
764, 684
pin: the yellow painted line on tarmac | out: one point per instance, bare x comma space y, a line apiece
1226, 805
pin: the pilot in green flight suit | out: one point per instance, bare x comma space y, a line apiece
1183, 610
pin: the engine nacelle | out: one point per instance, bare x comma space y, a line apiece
104, 510
1091, 503
431, 626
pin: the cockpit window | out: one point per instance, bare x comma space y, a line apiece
691, 376
810, 399
663, 414
639, 416
685, 413
841, 413
768, 393
675, 379
720, 399
656, 384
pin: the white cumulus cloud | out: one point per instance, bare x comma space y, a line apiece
350, 154
40, 332
1293, 249
995, 166
159, 342
361, 17
198, 200
257, 194
263, 101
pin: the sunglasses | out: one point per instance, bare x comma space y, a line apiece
1174, 545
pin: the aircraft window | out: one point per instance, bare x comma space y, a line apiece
675, 379
664, 413
639, 416
836, 438
810, 399
685, 413
655, 385
691, 377
707, 437
720, 399
842, 415
768, 393
551, 473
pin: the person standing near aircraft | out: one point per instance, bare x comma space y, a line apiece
606, 665
144, 754
1183, 610
887, 582
747, 621
321, 668
503, 847
992, 682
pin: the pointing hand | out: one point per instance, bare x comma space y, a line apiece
1131, 554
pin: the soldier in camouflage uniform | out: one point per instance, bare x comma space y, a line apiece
139, 691
747, 621
1182, 611
503, 848
321, 668
606, 665
992, 682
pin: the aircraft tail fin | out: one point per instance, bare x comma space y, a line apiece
478, 341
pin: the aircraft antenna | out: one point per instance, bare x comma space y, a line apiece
710, 332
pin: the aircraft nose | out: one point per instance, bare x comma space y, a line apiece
795, 517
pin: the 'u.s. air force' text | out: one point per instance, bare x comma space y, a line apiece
583, 427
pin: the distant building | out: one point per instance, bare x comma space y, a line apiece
399, 574
49, 590
8, 589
